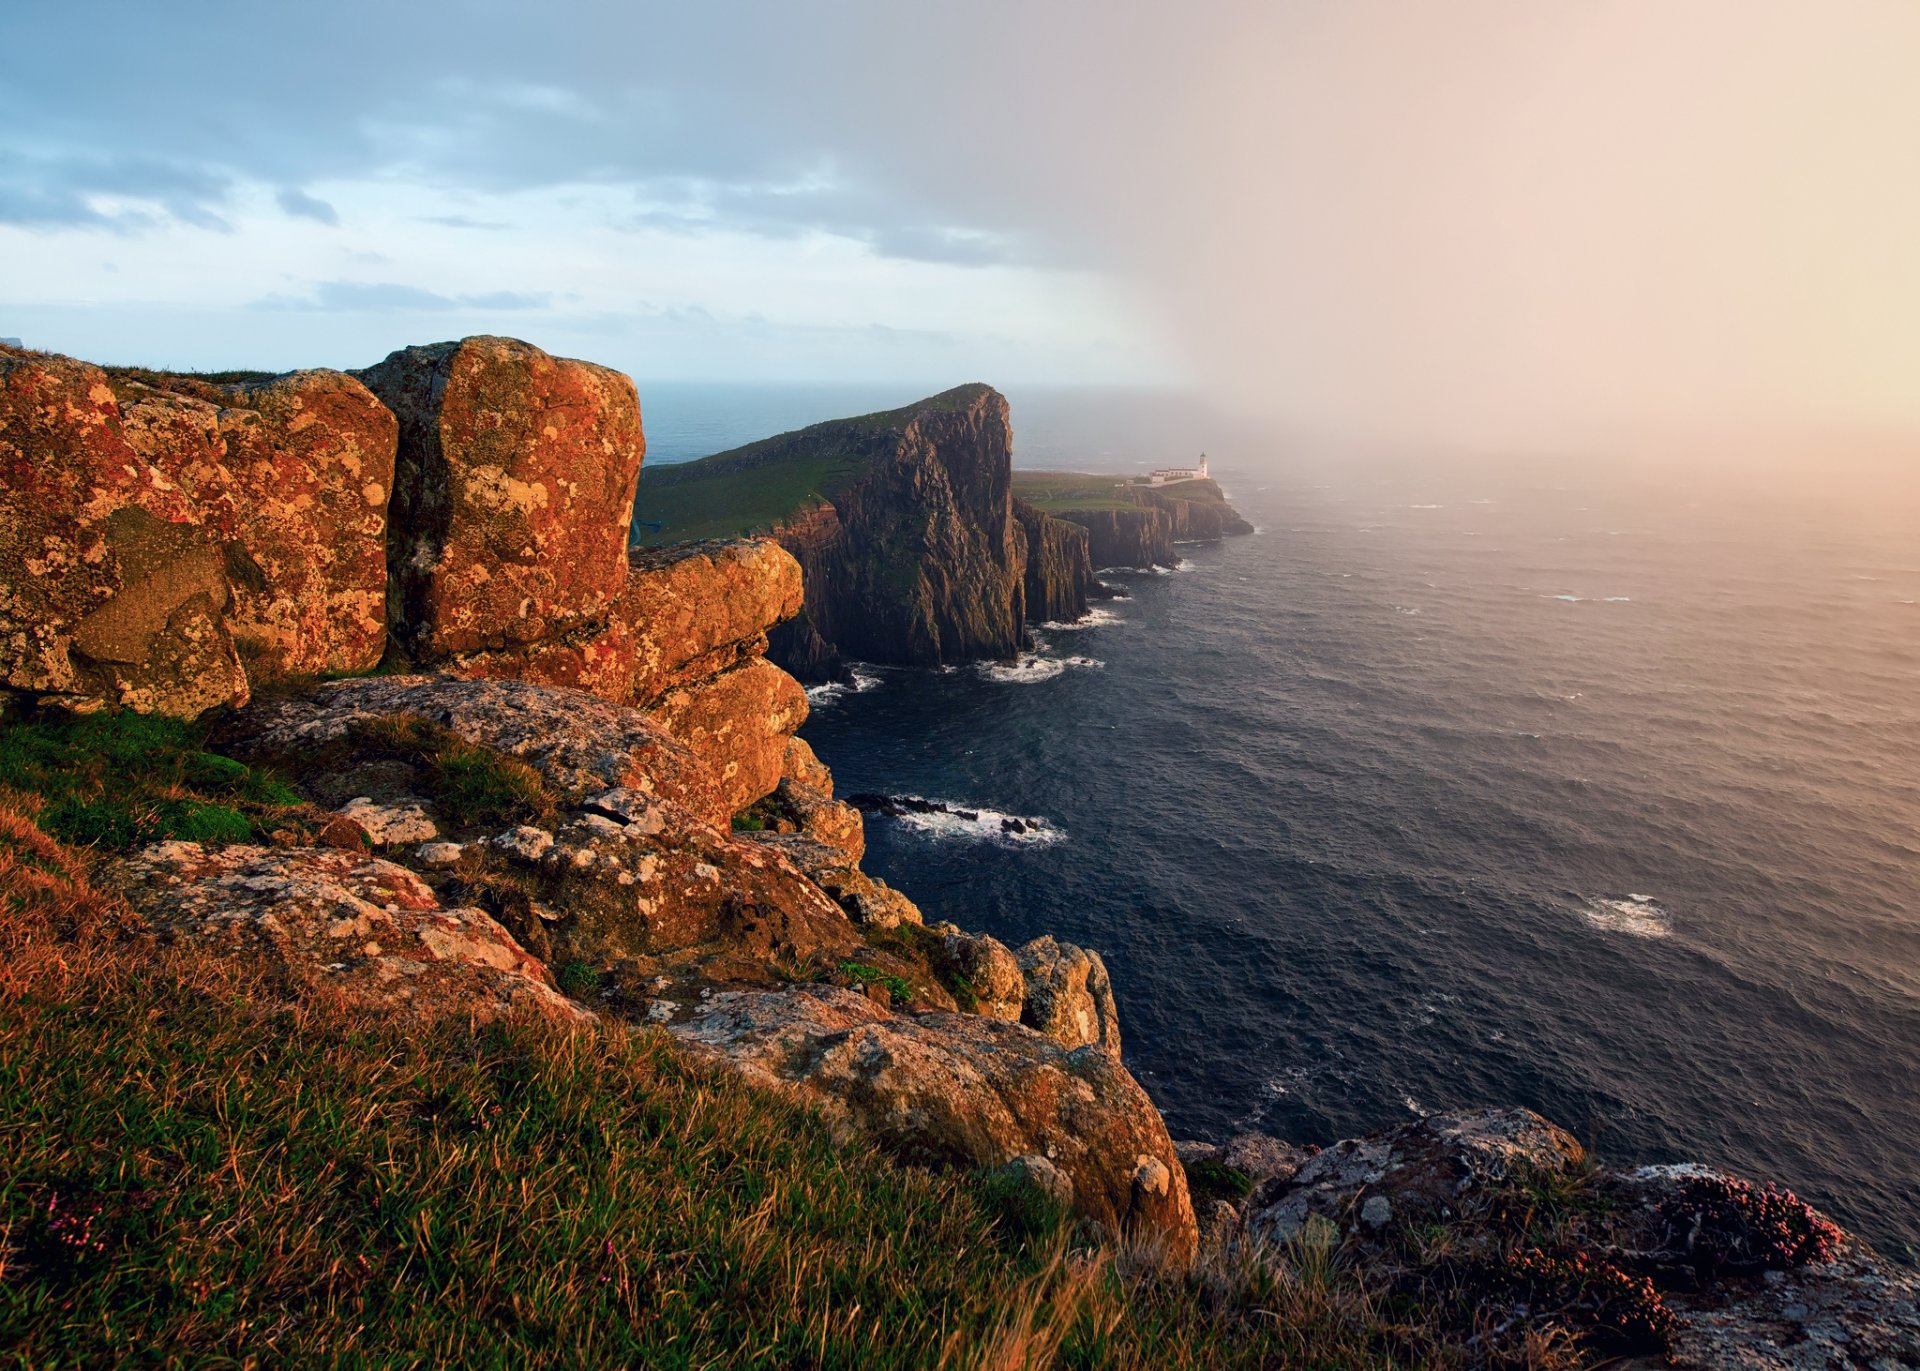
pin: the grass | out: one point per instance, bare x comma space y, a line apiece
899, 992
750, 489
118, 780
471, 785
194, 1174
1058, 490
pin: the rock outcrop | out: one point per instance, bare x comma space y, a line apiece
962, 1089
906, 530
353, 928
292, 473
112, 589
1161, 516
512, 493
1059, 565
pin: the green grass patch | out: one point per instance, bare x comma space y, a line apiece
1213, 1180
470, 784
1059, 490
116, 780
899, 991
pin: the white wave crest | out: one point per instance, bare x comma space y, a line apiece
863, 679
1636, 915
1097, 617
970, 823
1031, 667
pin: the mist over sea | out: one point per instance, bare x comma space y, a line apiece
1591, 785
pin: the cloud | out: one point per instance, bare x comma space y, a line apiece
117, 192
303, 206
392, 297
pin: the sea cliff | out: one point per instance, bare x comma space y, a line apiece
499, 910
913, 550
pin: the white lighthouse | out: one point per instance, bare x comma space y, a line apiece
1168, 475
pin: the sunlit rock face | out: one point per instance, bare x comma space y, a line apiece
112, 588
964, 1089
293, 473
512, 495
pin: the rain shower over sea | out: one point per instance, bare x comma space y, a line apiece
1579, 786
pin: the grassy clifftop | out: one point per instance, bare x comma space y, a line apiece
1055, 491
196, 1171
749, 489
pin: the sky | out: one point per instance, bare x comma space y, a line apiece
1493, 222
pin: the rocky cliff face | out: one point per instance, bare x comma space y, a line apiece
920, 563
1192, 511
912, 550
1059, 567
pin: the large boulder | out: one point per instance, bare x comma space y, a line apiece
696, 609
293, 474
513, 493
738, 724
963, 1090
1068, 995
341, 925
580, 744
111, 591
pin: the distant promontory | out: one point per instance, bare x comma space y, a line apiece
920, 545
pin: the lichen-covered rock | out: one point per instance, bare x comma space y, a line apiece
1414, 1174
634, 876
990, 970
799, 764
867, 900
1848, 1307
110, 590
513, 493
696, 609
343, 925
963, 1090
293, 474
737, 724
386, 825
1067, 995
688, 613
579, 743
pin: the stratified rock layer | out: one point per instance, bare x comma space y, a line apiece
512, 495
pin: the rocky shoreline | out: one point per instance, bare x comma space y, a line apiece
555, 778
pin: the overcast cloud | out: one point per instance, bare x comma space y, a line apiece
1493, 220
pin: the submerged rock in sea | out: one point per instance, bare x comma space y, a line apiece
963, 1089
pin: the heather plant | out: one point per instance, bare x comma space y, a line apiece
1730, 1225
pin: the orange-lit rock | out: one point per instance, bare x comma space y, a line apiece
111, 591
293, 473
512, 494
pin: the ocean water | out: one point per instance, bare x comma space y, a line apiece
1584, 785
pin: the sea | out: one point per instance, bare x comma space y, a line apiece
1588, 782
